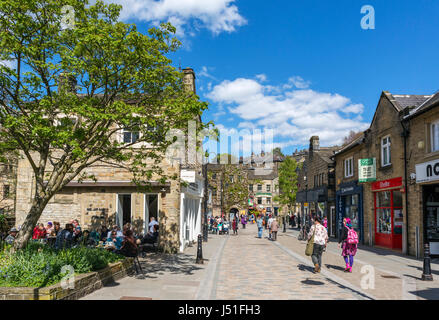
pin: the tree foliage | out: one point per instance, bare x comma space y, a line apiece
68, 93
288, 182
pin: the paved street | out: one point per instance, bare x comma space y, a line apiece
245, 267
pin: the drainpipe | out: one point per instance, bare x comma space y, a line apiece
405, 135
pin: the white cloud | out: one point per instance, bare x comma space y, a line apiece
8, 63
294, 114
215, 15
261, 77
205, 73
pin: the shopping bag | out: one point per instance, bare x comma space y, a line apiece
310, 245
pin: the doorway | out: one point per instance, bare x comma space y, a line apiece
332, 221
123, 215
151, 209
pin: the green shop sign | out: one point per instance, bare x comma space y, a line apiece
367, 170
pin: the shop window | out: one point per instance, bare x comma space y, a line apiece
351, 210
268, 200
385, 151
388, 202
434, 136
348, 167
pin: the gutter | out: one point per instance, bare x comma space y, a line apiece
405, 134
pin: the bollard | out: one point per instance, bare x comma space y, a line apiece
285, 230
426, 273
199, 251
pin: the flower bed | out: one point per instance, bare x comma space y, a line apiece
41, 266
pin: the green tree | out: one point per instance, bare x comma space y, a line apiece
75, 84
287, 183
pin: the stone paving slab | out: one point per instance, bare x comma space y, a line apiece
256, 269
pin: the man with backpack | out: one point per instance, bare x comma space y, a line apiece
348, 241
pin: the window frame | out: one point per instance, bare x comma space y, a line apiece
433, 124
388, 147
349, 173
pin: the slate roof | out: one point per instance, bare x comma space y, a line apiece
402, 101
432, 102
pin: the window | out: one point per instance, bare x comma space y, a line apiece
385, 151
250, 187
259, 200
231, 179
268, 200
349, 167
268, 188
129, 136
259, 187
434, 136
214, 176
388, 206
6, 191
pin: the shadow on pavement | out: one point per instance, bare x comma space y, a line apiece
331, 266
312, 282
429, 294
421, 270
303, 267
157, 264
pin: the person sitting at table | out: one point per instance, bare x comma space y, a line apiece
114, 241
49, 228
151, 237
104, 234
129, 246
56, 227
64, 238
12, 235
118, 232
86, 240
77, 234
39, 232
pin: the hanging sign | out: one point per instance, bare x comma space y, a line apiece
367, 170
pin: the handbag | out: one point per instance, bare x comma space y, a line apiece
310, 245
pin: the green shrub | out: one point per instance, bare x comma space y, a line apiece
38, 265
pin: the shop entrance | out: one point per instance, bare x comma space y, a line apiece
388, 219
431, 218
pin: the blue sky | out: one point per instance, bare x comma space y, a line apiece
300, 68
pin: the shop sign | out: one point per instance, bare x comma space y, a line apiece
387, 184
428, 171
188, 176
367, 170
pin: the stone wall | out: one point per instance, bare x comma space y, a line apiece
84, 284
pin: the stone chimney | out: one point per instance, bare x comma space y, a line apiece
314, 144
189, 79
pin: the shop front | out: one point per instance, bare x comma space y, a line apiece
388, 208
427, 174
349, 199
318, 202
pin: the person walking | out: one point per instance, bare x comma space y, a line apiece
270, 221
274, 229
348, 242
320, 241
259, 223
243, 221
235, 226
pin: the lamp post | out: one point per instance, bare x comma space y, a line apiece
206, 194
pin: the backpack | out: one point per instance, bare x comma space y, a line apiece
352, 236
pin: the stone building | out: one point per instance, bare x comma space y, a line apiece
422, 155
114, 199
316, 184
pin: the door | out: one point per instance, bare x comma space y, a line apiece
431, 218
123, 215
332, 223
151, 209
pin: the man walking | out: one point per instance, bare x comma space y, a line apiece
259, 223
274, 229
320, 241
270, 221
